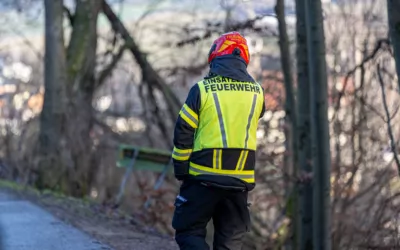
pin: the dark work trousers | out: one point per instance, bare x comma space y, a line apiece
196, 204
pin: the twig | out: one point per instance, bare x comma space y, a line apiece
195, 69
395, 112
150, 9
107, 129
377, 48
389, 127
27, 42
218, 27
107, 70
371, 108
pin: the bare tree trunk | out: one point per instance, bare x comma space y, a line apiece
52, 116
291, 123
81, 59
304, 129
69, 77
393, 7
320, 126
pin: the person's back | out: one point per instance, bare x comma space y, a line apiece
214, 153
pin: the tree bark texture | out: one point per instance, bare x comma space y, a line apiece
291, 120
304, 128
52, 118
66, 118
320, 127
81, 62
393, 7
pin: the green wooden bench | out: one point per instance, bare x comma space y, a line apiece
141, 158
146, 159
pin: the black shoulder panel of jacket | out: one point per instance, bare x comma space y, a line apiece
193, 99
185, 128
184, 132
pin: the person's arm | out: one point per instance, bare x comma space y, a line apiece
184, 131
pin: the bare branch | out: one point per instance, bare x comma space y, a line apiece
371, 108
107, 129
218, 27
27, 42
69, 15
116, 114
194, 69
107, 70
150, 76
389, 126
149, 10
377, 48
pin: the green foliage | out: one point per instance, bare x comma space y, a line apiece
11, 185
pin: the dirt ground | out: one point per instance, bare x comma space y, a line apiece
106, 225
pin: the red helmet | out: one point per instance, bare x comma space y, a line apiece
230, 43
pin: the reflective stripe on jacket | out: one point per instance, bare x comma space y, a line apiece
215, 134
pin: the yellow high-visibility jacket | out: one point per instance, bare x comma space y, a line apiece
215, 134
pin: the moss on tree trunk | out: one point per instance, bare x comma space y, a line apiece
66, 119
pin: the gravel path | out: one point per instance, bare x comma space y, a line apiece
26, 226
29, 220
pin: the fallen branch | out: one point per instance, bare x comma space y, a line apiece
149, 75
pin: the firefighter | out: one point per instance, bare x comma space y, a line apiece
214, 149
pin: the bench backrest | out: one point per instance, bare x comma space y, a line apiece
147, 158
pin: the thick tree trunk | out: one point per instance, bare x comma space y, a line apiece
52, 116
66, 118
291, 120
304, 128
320, 126
81, 61
393, 7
